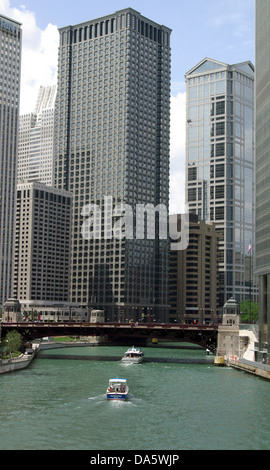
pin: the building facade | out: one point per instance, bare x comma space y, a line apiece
112, 151
36, 131
10, 49
41, 262
262, 169
193, 295
220, 166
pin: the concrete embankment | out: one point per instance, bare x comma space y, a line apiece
63, 345
18, 363
255, 368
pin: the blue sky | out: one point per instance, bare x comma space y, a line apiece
219, 29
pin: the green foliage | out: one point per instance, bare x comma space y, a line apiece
12, 343
64, 338
248, 313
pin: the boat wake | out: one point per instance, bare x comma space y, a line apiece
98, 399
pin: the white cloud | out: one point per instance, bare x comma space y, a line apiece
178, 127
39, 67
39, 54
177, 193
178, 143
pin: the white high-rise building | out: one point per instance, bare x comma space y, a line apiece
41, 261
10, 51
35, 156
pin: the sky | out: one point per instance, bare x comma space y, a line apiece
220, 29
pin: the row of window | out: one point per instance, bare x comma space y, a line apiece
216, 171
112, 25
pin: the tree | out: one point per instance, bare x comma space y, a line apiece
12, 342
249, 310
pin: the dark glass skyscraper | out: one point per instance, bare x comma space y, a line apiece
10, 50
112, 122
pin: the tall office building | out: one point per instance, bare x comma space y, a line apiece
192, 292
220, 166
112, 122
263, 168
42, 248
36, 130
10, 49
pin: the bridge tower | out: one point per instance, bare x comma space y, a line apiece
12, 311
228, 332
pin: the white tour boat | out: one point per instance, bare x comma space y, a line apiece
117, 389
133, 356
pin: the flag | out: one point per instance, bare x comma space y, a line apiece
249, 248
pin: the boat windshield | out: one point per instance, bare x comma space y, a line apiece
133, 351
116, 386
114, 382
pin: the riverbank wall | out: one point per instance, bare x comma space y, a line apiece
241, 353
17, 363
24, 360
47, 345
252, 367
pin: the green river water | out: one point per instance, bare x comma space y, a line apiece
58, 404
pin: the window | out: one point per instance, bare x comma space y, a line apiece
220, 170
220, 107
220, 128
220, 149
219, 192
219, 213
192, 194
192, 173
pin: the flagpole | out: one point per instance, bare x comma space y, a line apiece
249, 250
250, 291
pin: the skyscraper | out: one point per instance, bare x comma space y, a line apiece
42, 248
35, 154
112, 123
220, 165
192, 292
263, 169
10, 48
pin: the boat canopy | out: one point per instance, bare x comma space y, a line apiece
117, 380
134, 350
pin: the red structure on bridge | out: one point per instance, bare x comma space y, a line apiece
128, 333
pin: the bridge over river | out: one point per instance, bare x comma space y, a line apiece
120, 333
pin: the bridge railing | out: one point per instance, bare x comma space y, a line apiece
152, 325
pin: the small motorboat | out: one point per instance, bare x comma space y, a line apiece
117, 389
133, 356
